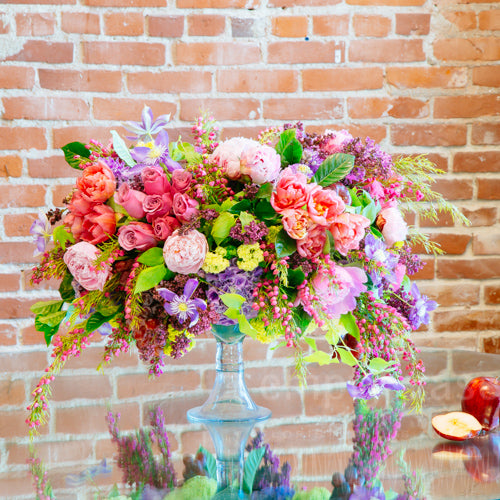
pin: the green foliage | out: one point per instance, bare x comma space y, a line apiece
121, 149
66, 289
378, 365
75, 153
289, 148
61, 235
96, 320
232, 300
284, 244
210, 463
197, 487
317, 493
320, 357
222, 226
152, 257
252, 463
150, 277
333, 169
349, 323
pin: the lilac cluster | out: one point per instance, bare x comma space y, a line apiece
412, 262
413, 305
251, 233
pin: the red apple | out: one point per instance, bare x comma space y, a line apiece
482, 399
485, 468
456, 426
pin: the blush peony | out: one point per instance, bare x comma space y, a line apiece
313, 244
296, 223
324, 205
348, 230
291, 191
227, 155
185, 253
393, 227
261, 163
97, 183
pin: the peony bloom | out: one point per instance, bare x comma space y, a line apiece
185, 253
131, 200
313, 244
261, 163
336, 141
136, 236
393, 227
97, 183
155, 181
80, 259
185, 208
227, 155
296, 223
324, 205
348, 230
96, 226
291, 191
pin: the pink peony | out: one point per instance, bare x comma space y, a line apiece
181, 180
155, 181
336, 141
156, 205
227, 155
313, 244
79, 205
96, 226
97, 183
296, 223
131, 200
261, 163
80, 259
164, 226
340, 297
185, 208
393, 227
185, 253
136, 236
324, 205
291, 191
376, 190
348, 230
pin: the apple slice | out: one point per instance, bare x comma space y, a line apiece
456, 426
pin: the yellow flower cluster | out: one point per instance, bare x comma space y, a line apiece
273, 232
249, 256
172, 337
215, 262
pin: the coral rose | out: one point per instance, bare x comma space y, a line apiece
96, 226
313, 244
393, 227
80, 259
136, 236
324, 205
131, 200
97, 183
261, 163
348, 230
185, 253
296, 223
227, 155
291, 191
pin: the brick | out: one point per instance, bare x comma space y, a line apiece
485, 161
17, 253
17, 77
386, 51
444, 394
62, 136
342, 79
454, 189
174, 409
485, 133
4, 24
306, 435
69, 388
489, 19
444, 220
216, 53
492, 294
289, 26
242, 27
60, 192
11, 166
486, 76
53, 452
50, 167
171, 82
10, 282
483, 216
491, 345
125, 3
329, 402
123, 24
12, 392
255, 378
466, 106
395, 3
486, 244
476, 269
306, 3
14, 425
377, 107
223, 109
418, 77
282, 404
413, 24
123, 109
450, 243
45, 108
324, 464
488, 189
375, 132
306, 108
41, 24
376, 26
451, 295
216, 4
471, 362
18, 224
15, 307
80, 81
255, 351
305, 52
467, 49
123, 53
22, 196
165, 26
23, 361
206, 25
46, 52
429, 135
131, 386
463, 20
39, 2
281, 80
84, 23
8, 334
93, 357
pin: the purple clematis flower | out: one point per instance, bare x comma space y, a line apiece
155, 153
40, 229
148, 127
371, 387
362, 493
183, 307
419, 313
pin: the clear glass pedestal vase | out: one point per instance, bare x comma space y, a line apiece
229, 413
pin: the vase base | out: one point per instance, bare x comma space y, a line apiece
229, 494
229, 414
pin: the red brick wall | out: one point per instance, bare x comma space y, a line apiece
419, 76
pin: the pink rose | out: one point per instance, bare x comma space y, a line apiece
339, 297
227, 155
96, 226
291, 191
335, 141
348, 230
164, 226
97, 183
261, 163
80, 259
296, 223
313, 244
131, 200
156, 205
393, 227
185, 253
376, 190
185, 208
181, 180
155, 181
324, 205
136, 236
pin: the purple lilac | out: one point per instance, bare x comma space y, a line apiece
251, 233
419, 313
122, 172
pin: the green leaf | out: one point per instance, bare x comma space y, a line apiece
241, 206
222, 226
289, 148
301, 318
232, 300
210, 463
246, 218
185, 151
346, 357
250, 469
227, 205
46, 307
75, 149
232, 313
121, 149
95, 321
286, 137
150, 277
310, 342
406, 283
265, 191
320, 357
371, 211
296, 277
349, 323
152, 257
66, 289
333, 169
376, 232
264, 210
378, 365
62, 235
284, 244
52, 319
246, 327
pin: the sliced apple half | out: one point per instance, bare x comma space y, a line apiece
456, 426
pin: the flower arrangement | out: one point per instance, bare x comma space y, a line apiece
289, 235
